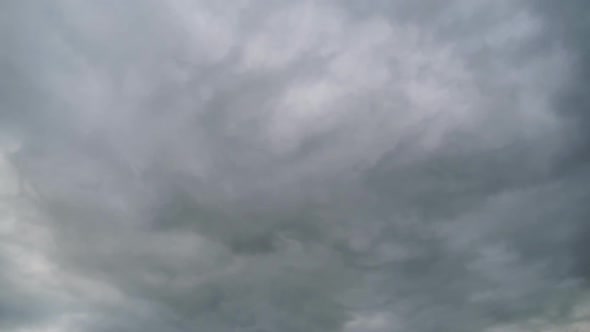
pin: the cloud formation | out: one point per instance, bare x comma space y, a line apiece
270, 165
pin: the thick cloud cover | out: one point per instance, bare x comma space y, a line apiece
273, 165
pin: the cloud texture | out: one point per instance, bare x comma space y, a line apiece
273, 165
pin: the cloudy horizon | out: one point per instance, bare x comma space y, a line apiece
274, 165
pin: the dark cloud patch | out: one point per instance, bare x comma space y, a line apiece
569, 23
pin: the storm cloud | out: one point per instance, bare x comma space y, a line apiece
273, 165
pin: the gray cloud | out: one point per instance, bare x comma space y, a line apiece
293, 166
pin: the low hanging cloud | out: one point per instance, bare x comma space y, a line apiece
272, 165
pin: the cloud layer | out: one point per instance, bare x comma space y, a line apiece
273, 165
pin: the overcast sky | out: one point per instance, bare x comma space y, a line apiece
294, 166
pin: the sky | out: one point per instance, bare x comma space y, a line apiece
312, 165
